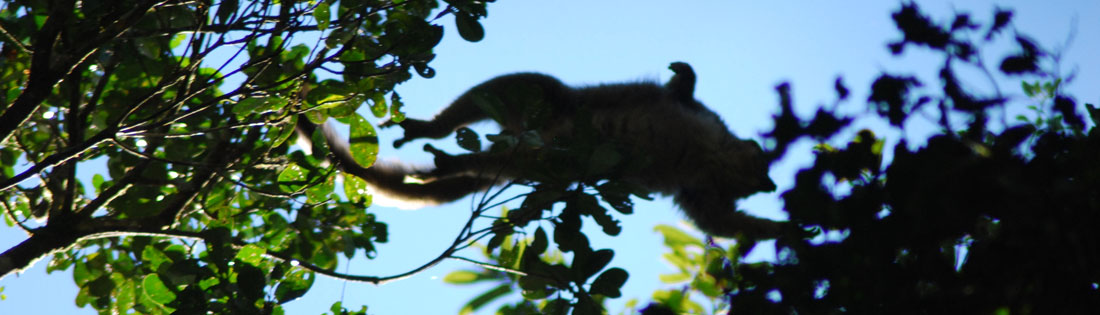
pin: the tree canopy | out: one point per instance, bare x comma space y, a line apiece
205, 207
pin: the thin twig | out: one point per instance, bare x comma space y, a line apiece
490, 266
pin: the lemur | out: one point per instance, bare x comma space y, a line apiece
694, 157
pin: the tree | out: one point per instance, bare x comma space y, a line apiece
205, 208
191, 105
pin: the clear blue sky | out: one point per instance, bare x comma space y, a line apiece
740, 51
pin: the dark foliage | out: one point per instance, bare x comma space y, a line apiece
972, 222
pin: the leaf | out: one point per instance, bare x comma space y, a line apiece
396, 115
1001, 18
485, 298
251, 254
153, 256
364, 141
609, 282
292, 178
250, 281
126, 297
320, 192
569, 237
155, 290
337, 37
609, 225
468, 139
557, 306
841, 91
587, 306
97, 182
322, 14
378, 105
355, 189
284, 133
1029, 89
101, 287
1068, 108
592, 263
462, 277
675, 237
226, 9
538, 246
674, 278
294, 286
248, 106
468, 27
617, 194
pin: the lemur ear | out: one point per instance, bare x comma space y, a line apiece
682, 84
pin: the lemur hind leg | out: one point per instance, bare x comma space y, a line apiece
455, 116
492, 167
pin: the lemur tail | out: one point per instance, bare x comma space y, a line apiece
387, 181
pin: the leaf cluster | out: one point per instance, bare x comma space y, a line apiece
975, 220
203, 206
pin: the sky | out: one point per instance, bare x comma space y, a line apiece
740, 51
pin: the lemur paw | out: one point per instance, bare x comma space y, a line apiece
414, 128
445, 164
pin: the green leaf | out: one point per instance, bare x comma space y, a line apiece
363, 142
674, 278
462, 277
97, 183
283, 134
675, 237
1029, 89
177, 40
485, 298
154, 257
535, 293
248, 106
609, 282
396, 115
320, 192
155, 290
355, 189
322, 14
337, 37
294, 286
292, 179
82, 274
468, 139
378, 105
251, 254
126, 297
